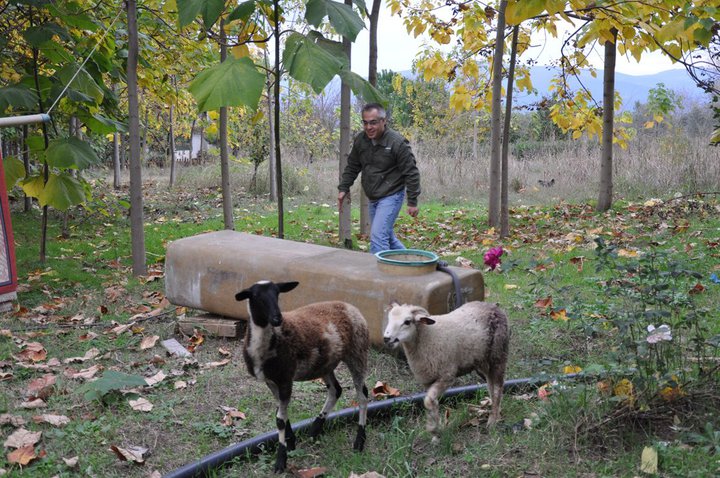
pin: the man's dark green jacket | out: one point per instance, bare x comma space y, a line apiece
387, 167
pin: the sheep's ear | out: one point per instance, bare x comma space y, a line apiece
425, 320
287, 286
392, 304
242, 295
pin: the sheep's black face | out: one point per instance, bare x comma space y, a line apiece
264, 306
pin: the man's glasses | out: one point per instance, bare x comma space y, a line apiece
374, 122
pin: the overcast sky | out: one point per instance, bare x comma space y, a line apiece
397, 50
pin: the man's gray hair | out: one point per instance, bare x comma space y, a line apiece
375, 106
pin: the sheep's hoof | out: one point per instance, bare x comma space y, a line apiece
317, 427
281, 460
360, 439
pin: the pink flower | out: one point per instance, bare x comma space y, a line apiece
492, 257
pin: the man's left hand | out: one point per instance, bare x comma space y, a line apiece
413, 211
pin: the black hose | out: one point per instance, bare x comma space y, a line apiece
443, 267
257, 444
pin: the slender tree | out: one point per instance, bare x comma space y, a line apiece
345, 213
496, 127
504, 205
606, 155
137, 231
224, 157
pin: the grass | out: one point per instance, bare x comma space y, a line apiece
86, 288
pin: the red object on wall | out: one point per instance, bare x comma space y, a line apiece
8, 270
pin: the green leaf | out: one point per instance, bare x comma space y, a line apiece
344, 20
715, 138
36, 143
234, 82
33, 186
83, 82
242, 12
189, 9
110, 381
315, 11
18, 97
14, 170
62, 191
37, 36
70, 153
101, 124
342, 17
362, 88
307, 61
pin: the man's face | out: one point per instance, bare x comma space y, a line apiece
374, 125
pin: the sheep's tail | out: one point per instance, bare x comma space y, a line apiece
498, 338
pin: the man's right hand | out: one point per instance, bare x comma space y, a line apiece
341, 199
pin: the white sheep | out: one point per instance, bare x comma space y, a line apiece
440, 348
304, 344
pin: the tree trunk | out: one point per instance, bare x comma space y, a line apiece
495, 152
271, 163
373, 17
26, 162
224, 157
278, 157
606, 155
171, 144
137, 233
116, 160
345, 217
504, 206
46, 169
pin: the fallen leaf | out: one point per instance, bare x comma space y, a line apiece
225, 352
196, 340
22, 456
578, 261
560, 314
55, 420
33, 351
649, 461
14, 420
37, 403
89, 355
697, 289
568, 369
155, 379
141, 405
149, 342
311, 472
85, 374
231, 414
87, 336
217, 364
510, 286
544, 303
382, 390
71, 462
6, 376
180, 384
41, 387
22, 437
132, 453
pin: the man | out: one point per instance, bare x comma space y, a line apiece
388, 170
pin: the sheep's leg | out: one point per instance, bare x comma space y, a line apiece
286, 436
495, 384
432, 405
334, 390
361, 392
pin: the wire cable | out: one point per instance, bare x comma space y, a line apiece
120, 10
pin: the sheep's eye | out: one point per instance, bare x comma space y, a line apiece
407, 322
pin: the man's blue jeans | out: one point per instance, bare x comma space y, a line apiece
383, 214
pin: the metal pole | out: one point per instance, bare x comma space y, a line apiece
25, 119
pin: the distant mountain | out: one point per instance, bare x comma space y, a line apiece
632, 88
